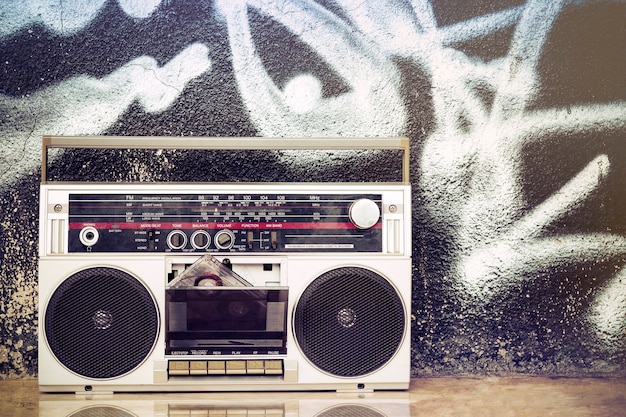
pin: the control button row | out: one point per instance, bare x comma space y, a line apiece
226, 367
226, 411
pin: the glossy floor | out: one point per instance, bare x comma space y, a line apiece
514, 396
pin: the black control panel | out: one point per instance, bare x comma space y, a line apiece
225, 222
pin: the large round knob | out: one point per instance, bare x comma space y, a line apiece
364, 213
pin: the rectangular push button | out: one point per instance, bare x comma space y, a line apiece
273, 367
197, 368
179, 368
216, 368
256, 367
235, 367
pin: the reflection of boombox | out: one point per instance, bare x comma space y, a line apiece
380, 404
323, 301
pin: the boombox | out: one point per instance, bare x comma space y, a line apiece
224, 286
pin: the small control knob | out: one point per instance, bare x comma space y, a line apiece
176, 239
200, 239
224, 239
364, 213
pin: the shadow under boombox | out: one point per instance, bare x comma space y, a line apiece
322, 303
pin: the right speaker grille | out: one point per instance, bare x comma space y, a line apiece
349, 321
349, 410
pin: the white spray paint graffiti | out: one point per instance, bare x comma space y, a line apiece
84, 105
87, 106
469, 173
63, 17
373, 107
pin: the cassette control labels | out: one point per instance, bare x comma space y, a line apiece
240, 222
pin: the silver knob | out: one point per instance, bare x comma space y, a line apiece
224, 239
364, 213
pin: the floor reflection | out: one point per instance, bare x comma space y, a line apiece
226, 405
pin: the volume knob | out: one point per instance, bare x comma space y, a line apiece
364, 213
224, 239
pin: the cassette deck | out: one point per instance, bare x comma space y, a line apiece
226, 321
323, 299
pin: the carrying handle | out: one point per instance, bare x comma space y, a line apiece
223, 143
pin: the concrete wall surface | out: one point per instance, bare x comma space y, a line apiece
515, 110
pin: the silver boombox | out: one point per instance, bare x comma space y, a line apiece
224, 286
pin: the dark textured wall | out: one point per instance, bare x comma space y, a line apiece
515, 111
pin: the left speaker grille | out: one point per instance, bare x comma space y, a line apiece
101, 323
102, 411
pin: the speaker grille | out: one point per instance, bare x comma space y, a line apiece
102, 411
349, 410
101, 323
349, 321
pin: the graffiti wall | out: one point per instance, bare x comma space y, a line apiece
516, 112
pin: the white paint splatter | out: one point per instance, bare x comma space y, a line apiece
303, 93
